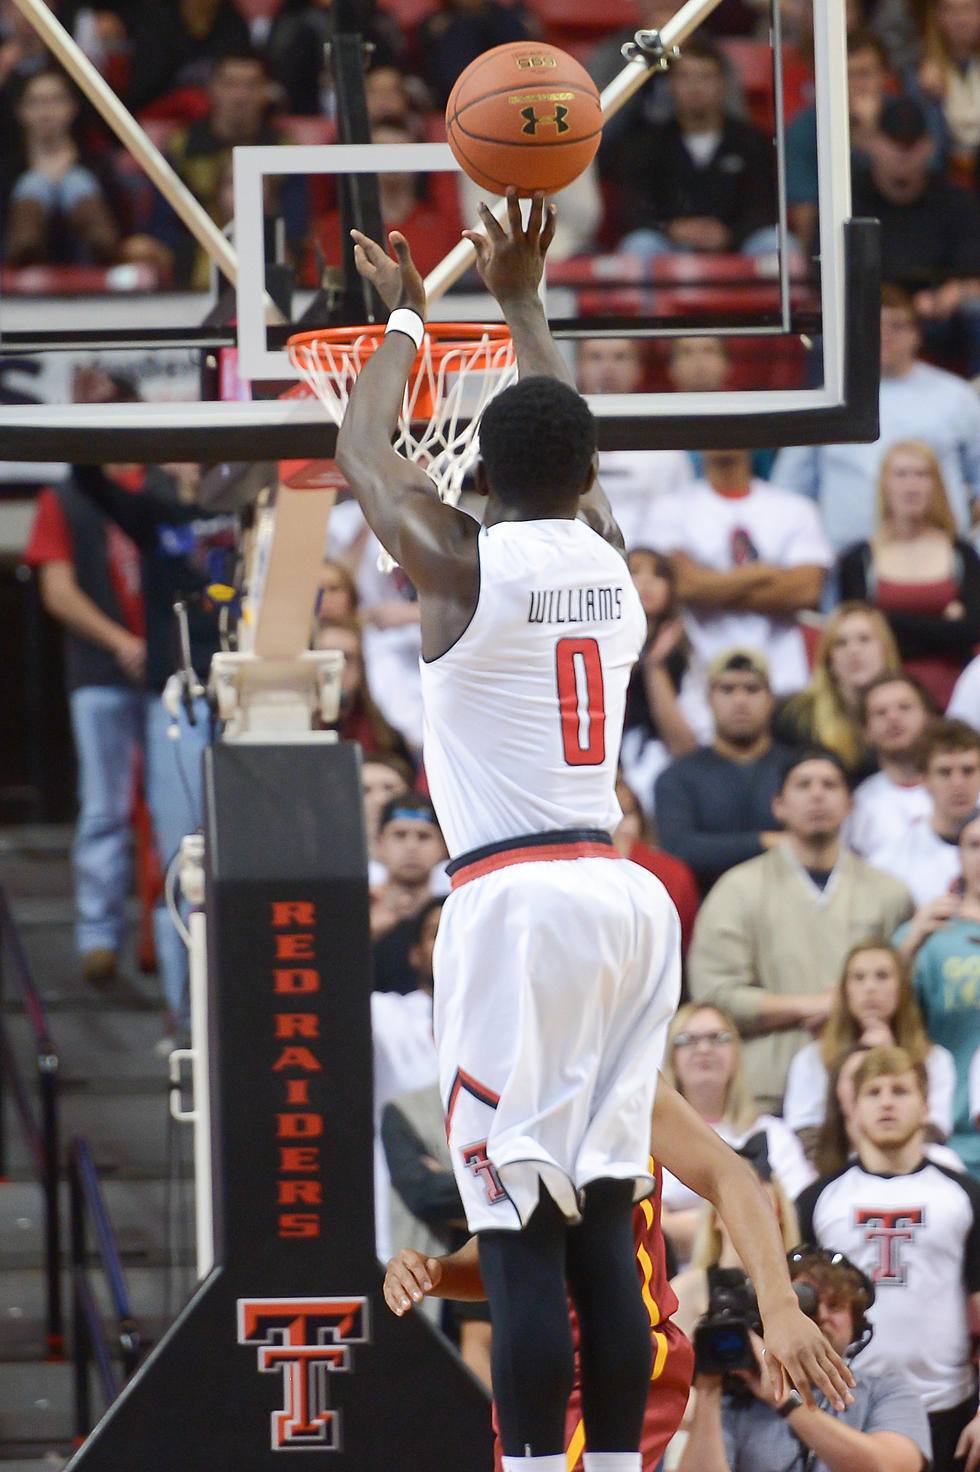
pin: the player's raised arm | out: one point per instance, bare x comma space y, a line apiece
691, 1151
511, 264
433, 542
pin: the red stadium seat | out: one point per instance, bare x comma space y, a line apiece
576, 25
297, 128
752, 61
254, 10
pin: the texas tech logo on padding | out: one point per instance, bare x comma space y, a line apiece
306, 1340
890, 1229
475, 1159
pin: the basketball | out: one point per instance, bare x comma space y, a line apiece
524, 114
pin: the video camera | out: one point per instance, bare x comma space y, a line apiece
721, 1338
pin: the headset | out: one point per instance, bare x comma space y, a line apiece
823, 1257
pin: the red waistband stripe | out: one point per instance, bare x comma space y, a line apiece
541, 853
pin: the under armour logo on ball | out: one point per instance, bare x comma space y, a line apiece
557, 120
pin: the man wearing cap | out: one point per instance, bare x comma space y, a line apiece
714, 806
771, 938
748, 557
411, 850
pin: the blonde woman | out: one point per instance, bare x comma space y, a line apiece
915, 569
856, 646
874, 1006
703, 1061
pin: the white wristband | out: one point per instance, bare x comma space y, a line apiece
404, 319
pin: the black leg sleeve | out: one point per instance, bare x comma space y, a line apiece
532, 1355
616, 1343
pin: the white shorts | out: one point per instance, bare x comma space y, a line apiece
555, 983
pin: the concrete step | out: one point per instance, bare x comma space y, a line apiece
152, 1222
15, 1458
114, 1093
36, 1407
156, 1296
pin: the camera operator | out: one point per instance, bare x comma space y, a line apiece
741, 1425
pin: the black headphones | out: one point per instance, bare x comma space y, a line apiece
823, 1257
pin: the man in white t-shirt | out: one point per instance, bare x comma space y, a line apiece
964, 703
389, 612
748, 558
916, 401
633, 480
926, 856
404, 1053
914, 1228
884, 806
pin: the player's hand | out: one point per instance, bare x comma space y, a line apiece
396, 280
795, 1350
408, 1279
511, 261
968, 1445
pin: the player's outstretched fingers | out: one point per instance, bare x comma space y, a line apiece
822, 1368
493, 227
548, 233
514, 213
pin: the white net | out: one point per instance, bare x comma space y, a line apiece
454, 377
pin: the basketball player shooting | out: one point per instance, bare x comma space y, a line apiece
557, 966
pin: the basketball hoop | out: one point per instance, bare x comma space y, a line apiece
459, 368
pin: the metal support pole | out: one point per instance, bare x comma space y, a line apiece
47, 1066
80, 1344
3, 1111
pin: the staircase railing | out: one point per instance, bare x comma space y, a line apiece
41, 1133
92, 1342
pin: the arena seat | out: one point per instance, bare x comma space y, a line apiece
686, 284
77, 280
577, 25
184, 105
258, 10
408, 13
753, 62
298, 128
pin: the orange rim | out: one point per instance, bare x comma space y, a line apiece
444, 337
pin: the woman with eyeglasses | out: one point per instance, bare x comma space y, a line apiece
874, 1005
703, 1062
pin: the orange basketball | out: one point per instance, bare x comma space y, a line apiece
524, 114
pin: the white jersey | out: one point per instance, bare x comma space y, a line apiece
524, 714
917, 1236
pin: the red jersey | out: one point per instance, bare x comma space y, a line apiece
673, 1356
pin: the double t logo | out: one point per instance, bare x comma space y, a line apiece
890, 1229
305, 1340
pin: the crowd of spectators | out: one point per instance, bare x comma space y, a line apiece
801, 757
686, 166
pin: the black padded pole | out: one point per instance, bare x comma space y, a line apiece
287, 1344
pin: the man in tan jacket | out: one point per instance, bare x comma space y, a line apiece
771, 938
